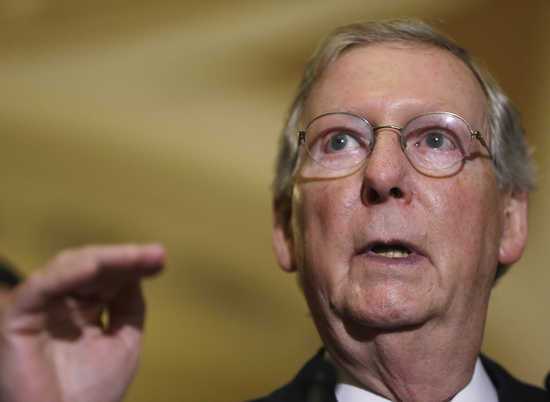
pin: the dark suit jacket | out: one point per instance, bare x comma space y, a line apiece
316, 381
8, 276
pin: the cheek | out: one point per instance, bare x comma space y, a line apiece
324, 217
326, 210
466, 202
465, 222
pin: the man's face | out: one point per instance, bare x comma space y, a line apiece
455, 228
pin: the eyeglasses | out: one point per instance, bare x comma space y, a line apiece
436, 144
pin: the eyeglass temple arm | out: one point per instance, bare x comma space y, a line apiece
477, 135
301, 137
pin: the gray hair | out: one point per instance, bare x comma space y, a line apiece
513, 165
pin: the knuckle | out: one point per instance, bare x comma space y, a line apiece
35, 279
130, 250
36, 283
84, 258
63, 256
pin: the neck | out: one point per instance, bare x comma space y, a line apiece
428, 364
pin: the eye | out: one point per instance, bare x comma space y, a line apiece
340, 141
438, 140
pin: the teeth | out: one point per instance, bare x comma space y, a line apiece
393, 254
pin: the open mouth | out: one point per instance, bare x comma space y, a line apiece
390, 250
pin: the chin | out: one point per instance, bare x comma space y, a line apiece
381, 309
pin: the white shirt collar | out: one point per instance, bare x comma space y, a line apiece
479, 389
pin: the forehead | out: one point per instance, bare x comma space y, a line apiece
392, 82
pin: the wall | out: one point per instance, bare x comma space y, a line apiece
132, 121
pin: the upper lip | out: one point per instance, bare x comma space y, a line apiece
413, 248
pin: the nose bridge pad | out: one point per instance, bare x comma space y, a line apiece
391, 129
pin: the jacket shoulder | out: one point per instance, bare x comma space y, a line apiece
314, 382
510, 389
317, 379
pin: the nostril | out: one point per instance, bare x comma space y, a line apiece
396, 192
373, 196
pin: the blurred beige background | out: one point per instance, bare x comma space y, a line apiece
135, 121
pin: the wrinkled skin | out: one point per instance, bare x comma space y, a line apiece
393, 325
54, 346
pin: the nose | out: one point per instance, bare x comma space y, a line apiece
385, 174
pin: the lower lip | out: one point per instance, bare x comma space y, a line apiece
410, 260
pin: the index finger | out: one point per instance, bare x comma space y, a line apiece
83, 271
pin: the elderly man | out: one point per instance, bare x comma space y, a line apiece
401, 194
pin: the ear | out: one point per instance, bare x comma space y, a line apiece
282, 241
514, 230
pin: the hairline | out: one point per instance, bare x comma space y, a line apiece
410, 43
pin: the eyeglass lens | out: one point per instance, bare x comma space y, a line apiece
435, 143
